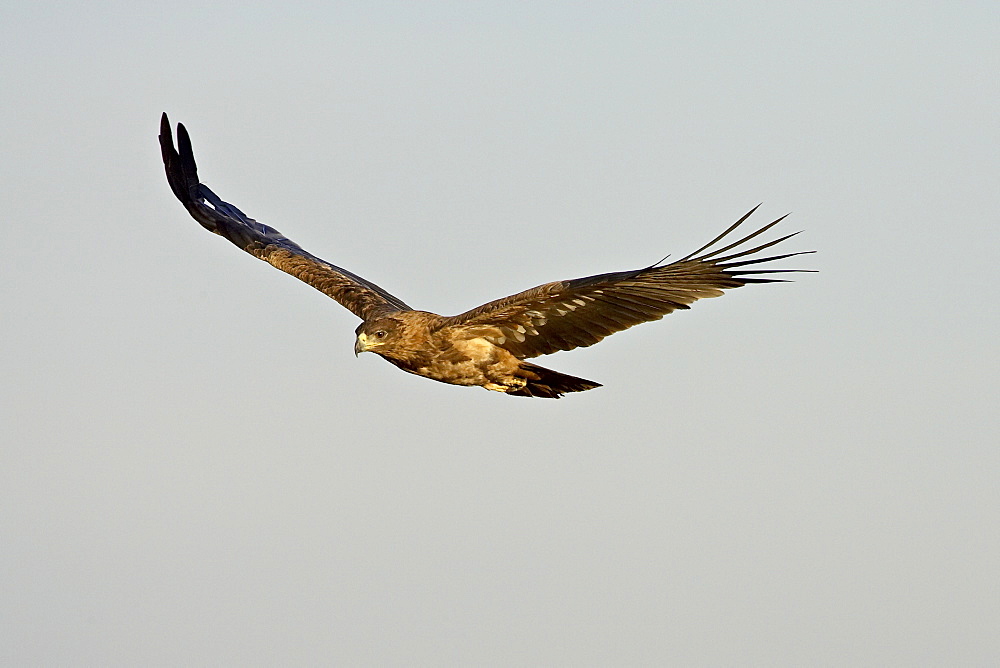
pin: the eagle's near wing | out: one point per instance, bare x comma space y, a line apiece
361, 297
570, 314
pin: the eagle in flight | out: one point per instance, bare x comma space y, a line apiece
488, 345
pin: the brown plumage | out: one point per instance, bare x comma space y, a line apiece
486, 346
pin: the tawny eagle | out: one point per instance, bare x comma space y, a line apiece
486, 346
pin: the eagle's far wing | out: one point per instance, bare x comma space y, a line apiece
570, 314
361, 297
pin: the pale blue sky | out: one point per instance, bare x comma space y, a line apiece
195, 469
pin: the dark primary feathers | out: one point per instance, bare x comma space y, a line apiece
485, 346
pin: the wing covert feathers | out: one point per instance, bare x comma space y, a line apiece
360, 296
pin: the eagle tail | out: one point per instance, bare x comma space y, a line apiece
542, 382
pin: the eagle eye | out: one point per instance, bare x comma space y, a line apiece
381, 334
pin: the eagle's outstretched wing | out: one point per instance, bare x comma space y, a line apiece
570, 314
361, 297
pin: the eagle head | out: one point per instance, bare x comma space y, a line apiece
377, 336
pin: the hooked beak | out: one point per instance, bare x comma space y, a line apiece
361, 344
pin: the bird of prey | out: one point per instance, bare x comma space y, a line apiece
488, 345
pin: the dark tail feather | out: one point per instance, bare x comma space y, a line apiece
550, 384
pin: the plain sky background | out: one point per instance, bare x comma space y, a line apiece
195, 469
